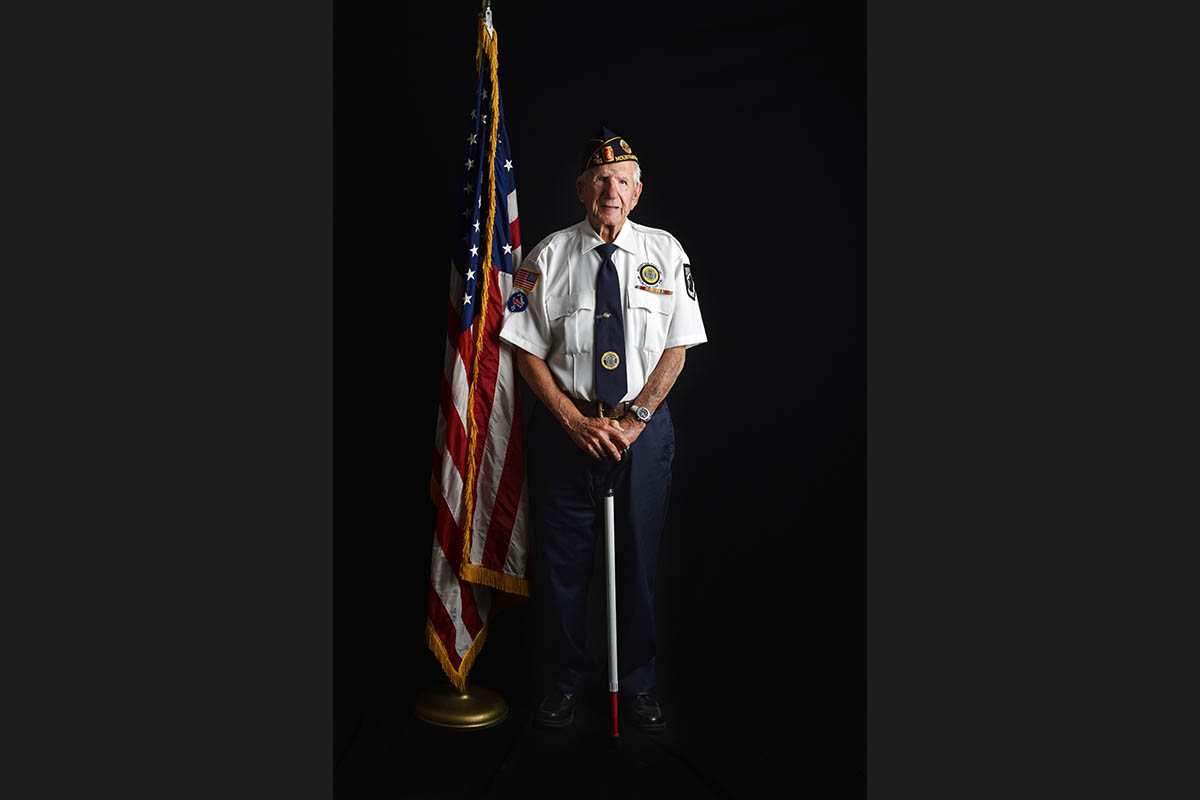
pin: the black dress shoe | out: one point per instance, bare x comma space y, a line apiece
645, 714
556, 711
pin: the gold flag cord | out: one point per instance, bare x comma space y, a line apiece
487, 43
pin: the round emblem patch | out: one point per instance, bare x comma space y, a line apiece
610, 360
650, 274
517, 302
624, 146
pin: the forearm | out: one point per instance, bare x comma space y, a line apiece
662, 378
537, 375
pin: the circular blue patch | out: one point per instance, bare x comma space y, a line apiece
517, 302
610, 360
649, 274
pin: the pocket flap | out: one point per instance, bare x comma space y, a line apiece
651, 300
566, 304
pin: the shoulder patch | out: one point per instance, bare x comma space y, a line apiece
687, 279
526, 279
517, 303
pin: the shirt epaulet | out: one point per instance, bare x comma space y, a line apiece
544, 243
646, 230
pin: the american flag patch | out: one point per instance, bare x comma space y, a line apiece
526, 279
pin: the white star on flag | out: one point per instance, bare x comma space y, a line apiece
470, 274
507, 164
476, 224
508, 248
466, 299
472, 113
470, 163
471, 139
475, 250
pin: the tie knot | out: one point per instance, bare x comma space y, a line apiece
606, 250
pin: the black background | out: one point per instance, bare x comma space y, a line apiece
751, 132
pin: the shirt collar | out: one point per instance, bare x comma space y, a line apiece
626, 239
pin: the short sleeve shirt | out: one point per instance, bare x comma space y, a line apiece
551, 310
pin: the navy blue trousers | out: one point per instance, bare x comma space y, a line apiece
567, 504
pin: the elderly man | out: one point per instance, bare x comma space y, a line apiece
601, 315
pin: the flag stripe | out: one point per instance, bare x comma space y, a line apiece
442, 624
472, 622
489, 359
499, 422
452, 492
514, 229
454, 372
448, 594
516, 557
456, 593
504, 511
456, 436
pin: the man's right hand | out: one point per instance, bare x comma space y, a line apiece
602, 438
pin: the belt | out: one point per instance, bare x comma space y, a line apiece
592, 408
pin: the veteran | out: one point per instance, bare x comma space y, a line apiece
601, 314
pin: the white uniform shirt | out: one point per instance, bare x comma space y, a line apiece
551, 312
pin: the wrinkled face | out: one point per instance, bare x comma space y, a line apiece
608, 193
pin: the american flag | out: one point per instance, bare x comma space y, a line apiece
480, 543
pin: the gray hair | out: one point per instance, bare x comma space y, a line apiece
637, 173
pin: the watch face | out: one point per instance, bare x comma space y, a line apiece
642, 413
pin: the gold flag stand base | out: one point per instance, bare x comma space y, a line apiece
447, 707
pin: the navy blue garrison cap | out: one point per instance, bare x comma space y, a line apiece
608, 149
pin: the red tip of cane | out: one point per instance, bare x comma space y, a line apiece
615, 732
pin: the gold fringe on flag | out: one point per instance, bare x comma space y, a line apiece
495, 579
458, 677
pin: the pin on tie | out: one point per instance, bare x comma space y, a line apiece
609, 339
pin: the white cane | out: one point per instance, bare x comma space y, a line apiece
610, 585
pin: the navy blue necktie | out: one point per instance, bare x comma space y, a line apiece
609, 341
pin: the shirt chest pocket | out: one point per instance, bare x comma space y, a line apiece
573, 316
649, 319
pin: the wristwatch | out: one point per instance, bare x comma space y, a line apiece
641, 412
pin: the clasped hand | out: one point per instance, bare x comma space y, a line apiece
601, 437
